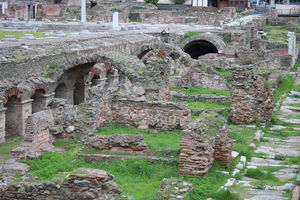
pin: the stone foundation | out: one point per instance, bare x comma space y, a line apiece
83, 183
145, 114
251, 100
117, 142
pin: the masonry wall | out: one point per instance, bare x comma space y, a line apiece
251, 100
160, 115
85, 184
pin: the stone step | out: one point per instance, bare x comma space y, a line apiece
266, 195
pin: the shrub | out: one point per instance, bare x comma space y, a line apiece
179, 1
154, 2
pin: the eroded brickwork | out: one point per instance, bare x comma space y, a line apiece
145, 114
251, 99
201, 145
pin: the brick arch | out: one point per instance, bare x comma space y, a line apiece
11, 92
213, 39
169, 50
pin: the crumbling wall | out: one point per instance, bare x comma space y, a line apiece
202, 143
251, 99
37, 137
157, 114
117, 142
84, 183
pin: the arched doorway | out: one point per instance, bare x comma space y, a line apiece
199, 48
13, 116
78, 96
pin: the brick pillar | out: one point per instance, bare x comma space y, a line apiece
2, 125
196, 155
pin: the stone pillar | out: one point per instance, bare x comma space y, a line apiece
2, 125
4, 7
35, 10
83, 11
41, 102
257, 2
115, 21
288, 2
292, 46
272, 3
24, 110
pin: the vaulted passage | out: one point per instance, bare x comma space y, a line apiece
13, 116
199, 48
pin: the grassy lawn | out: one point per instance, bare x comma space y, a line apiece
157, 140
138, 178
190, 90
5, 148
197, 105
19, 34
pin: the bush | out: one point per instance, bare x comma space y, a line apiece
179, 1
154, 2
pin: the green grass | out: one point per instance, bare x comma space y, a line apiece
262, 175
294, 104
157, 140
188, 35
5, 148
225, 195
293, 116
138, 178
297, 88
243, 137
286, 84
197, 105
275, 33
224, 72
190, 90
19, 34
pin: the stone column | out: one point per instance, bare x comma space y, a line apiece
2, 125
257, 2
83, 11
24, 110
41, 102
35, 10
288, 2
272, 3
292, 46
4, 7
115, 21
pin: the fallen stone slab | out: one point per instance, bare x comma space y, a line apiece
14, 167
277, 128
280, 149
296, 193
258, 135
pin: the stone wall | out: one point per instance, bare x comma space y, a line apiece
157, 114
203, 97
48, 11
251, 100
117, 142
192, 15
83, 183
202, 143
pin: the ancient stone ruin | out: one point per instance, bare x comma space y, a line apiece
136, 89
202, 143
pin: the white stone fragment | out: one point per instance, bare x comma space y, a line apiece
70, 129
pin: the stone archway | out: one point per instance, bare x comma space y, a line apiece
203, 44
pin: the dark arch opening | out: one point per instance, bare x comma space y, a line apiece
142, 54
199, 48
38, 103
78, 96
12, 116
61, 91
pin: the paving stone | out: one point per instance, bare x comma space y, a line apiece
266, 195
